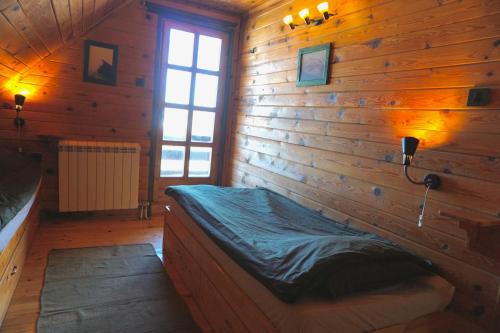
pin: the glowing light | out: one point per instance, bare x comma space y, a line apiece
304, 14
288, 19
323, 7
432, 128
15, 86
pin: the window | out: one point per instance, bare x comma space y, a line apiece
193, 78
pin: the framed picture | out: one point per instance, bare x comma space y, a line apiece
313, 65
100, 63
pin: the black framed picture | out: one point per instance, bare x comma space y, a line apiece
313, 65
100, 63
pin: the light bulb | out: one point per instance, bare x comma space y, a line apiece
323, 7
304, 14
288, 19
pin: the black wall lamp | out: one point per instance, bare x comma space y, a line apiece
305, 15
19, 101
410, 145
431, 181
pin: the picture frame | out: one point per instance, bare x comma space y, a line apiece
313, 65
100, 63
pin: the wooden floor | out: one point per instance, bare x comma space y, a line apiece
24, 308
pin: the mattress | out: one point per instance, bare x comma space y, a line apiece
19, 177
352, 314
11, 228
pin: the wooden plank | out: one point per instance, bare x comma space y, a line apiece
13, 43
76, 17
62, 12
372, 20
456, 54
467, 143
19, 20
12, 274
473, 166
441, 77
9, 61
381, 31
101, 9
462, 191
7, 72
126, 120
88, 7
41, 15
421, 99
467, 120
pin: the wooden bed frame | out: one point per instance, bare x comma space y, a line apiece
12, 258
225, 306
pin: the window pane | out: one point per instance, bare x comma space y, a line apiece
205, 92
172, 161
178, 86
200, 159
175, 124
203, 126
180, 49
209, 53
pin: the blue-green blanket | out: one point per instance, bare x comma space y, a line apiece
291, 249
19, 178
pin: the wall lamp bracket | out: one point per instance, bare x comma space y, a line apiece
19, 101
410, 145
431, 181
308, 20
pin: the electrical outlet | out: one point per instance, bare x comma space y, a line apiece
139, 82
479, 97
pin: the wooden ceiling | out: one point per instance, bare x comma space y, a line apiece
30, 30
234, 6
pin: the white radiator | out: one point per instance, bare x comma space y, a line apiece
98, 175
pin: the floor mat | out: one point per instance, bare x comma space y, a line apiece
110, 289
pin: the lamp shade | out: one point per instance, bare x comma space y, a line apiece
304, 14
19, 100
288, 19
323, 7
409, 145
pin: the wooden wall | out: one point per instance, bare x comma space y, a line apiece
398, 68
60, 105
31, 30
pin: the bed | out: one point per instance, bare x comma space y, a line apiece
235, 299
20, 179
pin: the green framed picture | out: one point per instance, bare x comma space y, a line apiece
100, 63
313, 65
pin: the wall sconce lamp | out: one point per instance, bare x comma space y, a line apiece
306, 16
323, 9
410, 145
19, 101
431, 181
288, 20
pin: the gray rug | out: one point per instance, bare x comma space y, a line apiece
110, 289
